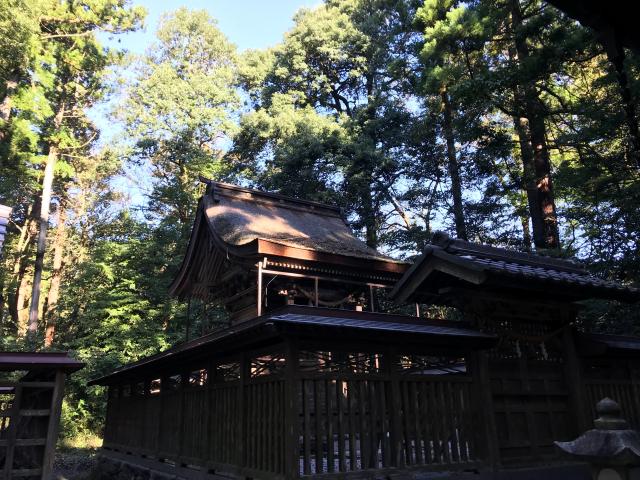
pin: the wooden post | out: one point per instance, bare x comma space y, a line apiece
291, 439
372, 305
11, 434
483, 399
184, 382
164, 384
397, 450
259, 292
242, 408
316, 291
574, 377
54, 424
188, 319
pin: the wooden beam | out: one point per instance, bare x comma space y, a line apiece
291, 438
54, 424
478, 361
574, 376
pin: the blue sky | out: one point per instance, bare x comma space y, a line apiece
247, 23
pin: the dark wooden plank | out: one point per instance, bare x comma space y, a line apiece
374, 422
54, 424
363, 430
351, 401
416, 418
436, 415
385, 424
425, 413
397, 454
329, 403
406, 423
342, 460
319, 434
291, 444
306, 405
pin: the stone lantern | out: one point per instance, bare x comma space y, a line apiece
612, 447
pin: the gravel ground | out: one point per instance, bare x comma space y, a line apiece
73, 465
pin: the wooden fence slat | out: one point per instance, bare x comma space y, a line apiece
352, 426
342, 460
317, 401
329, 397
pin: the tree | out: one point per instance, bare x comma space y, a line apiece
76, 65
178, 110
337, 79
54, 76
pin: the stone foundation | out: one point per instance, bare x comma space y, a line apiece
119, 466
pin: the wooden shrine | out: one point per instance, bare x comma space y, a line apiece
310, 378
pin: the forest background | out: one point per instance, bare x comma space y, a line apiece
499, 121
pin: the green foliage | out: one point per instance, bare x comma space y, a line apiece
348, 109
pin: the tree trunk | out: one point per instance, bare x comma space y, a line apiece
19, 312
369, 219
51, 314
453, 166
545, 235
5, 105
18, 304
45, 205
521, 126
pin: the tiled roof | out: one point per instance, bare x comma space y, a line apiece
381, 325
525, 265
479, 264
330, 323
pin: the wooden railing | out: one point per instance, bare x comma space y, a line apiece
322, 414
226, 427
351, 424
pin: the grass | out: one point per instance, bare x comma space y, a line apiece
82, 442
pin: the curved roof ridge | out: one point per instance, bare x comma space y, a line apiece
284, 201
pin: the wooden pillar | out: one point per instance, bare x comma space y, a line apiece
574, 378
164, 384
14, 414
208, 437
483, 400
184, 382
397, 450
54, 424
291, 421
244, 413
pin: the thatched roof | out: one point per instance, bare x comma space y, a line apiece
240, 216
239, 226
